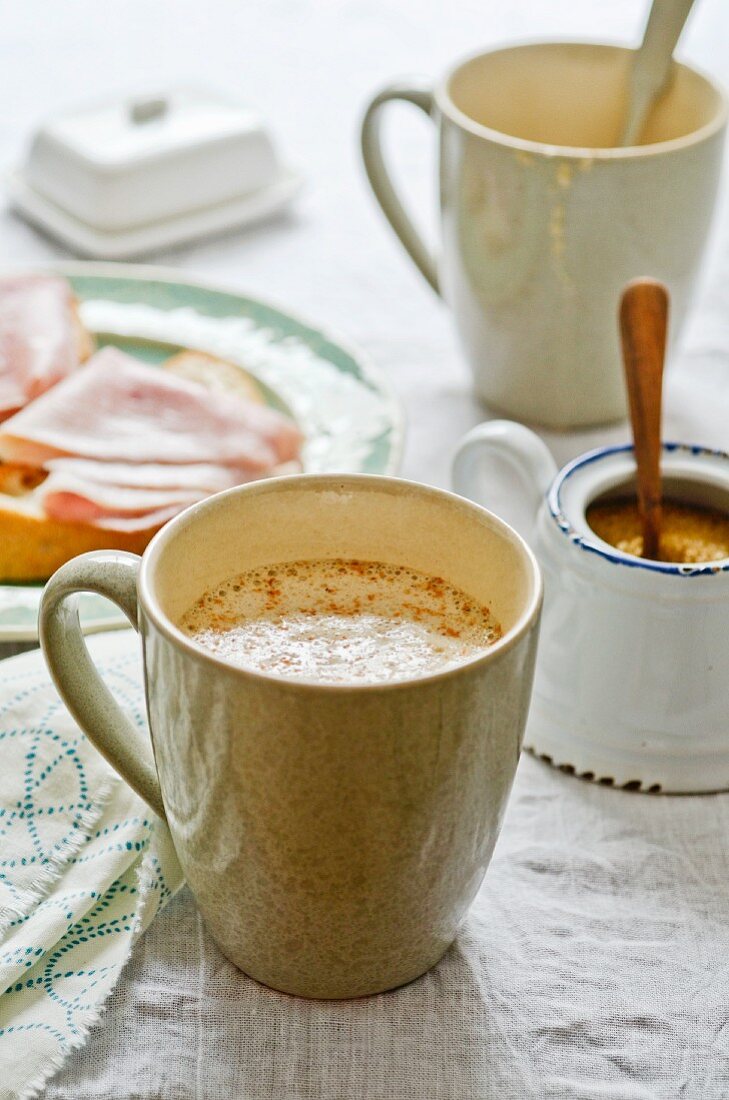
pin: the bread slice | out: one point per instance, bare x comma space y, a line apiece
32, 546
85, 343
217, 374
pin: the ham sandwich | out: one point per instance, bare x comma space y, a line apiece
102, 454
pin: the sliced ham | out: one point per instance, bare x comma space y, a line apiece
77, 501
38, 338
125, 497
118, 497
128, 524
125, 447
116, 409
148, 475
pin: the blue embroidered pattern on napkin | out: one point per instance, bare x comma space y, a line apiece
84, 866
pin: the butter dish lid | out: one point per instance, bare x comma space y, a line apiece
131, 166
120, 134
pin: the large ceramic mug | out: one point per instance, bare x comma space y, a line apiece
544, 220
632, 682
334, 836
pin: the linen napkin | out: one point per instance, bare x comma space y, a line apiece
84, 866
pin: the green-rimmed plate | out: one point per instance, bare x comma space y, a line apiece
348, 415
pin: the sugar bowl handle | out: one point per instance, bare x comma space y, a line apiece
506, 468
112, 574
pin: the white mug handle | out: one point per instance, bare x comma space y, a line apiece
379, 176
113, 574
506, 468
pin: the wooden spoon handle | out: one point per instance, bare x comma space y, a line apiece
643, 325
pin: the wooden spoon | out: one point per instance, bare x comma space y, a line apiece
651, 66
643, 326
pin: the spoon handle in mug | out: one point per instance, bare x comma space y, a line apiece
643, 325
652, 64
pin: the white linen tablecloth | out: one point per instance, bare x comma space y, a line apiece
594, 964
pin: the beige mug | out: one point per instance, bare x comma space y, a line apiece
334, 836
544, 220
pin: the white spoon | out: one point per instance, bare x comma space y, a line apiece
652, 63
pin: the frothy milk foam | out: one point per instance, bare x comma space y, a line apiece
340, 621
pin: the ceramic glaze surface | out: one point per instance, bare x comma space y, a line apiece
544, 220
334, 843
632, 683
334, 836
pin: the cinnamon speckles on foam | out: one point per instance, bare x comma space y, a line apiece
340, 621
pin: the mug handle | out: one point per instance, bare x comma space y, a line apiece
381, 181
112, 574
507, 468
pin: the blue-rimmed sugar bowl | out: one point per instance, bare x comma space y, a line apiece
632, 681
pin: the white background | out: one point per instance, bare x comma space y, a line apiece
593, 965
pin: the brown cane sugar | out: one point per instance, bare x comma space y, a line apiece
689, 533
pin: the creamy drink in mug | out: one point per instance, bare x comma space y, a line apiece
544, 219
338, 671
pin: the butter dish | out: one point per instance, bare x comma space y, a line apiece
126, 177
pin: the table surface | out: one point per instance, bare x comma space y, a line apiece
594, 961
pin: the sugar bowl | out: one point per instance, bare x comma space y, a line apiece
632, 681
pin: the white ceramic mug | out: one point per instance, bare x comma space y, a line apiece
544, 220
632, 681
334, 835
